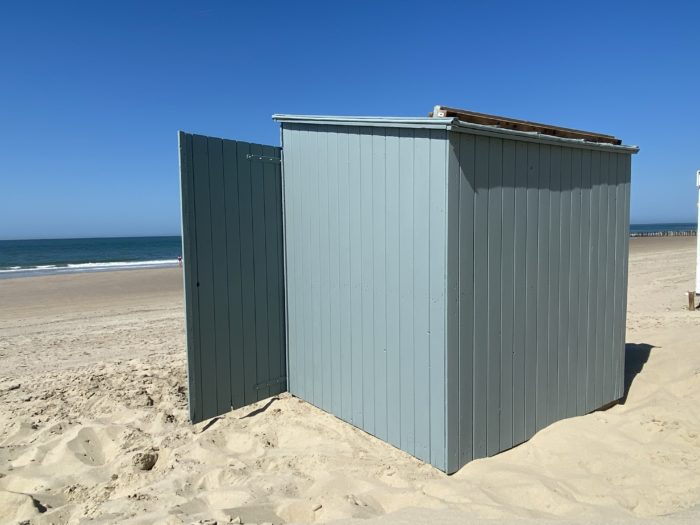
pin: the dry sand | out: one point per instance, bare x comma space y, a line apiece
92, 374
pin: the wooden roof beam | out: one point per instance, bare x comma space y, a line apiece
523, 125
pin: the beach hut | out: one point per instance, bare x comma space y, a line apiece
449, 284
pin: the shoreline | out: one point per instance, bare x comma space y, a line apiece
637, 240
17, 273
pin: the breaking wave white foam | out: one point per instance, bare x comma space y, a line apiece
47, 269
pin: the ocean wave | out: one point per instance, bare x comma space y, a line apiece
87, 267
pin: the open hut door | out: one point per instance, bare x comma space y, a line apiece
231, 196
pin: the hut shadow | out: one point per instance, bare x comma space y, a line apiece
261, 409
636, 356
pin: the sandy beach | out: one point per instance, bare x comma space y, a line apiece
94, 425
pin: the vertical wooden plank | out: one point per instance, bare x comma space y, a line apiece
437, 314
493, 402
379, 240
305, 183
467, 185
346, 294
453, 363
247, 273
620, 238
305, 177
621, 271
219, 274
282, 386
310, 276
290, 245
603, 224
593, 282
367, 232
602, 311
564, 361
205, 280
611, 230
336, 308
304, 353
300, 238
393, 287
543, 288
324, 297
531, 281
259, 274
233, 268
316, 136
273, 224
481, 294
406, 272
584, 286
575, 257
421, 292
286, 264
553, 301
627, 173
309, 183
520, 279
507, 295
189, 252
621, 293
614, 273
356, 282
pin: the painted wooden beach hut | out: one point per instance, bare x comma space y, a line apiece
450, 284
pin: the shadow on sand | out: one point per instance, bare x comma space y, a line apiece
261, 409
636, 356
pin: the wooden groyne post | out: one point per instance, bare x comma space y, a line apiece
685, 233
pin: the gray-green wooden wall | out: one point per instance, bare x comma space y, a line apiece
537, 271
233, 273
365, 226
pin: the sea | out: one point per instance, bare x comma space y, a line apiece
23, 258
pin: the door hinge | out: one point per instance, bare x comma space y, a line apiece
263, 158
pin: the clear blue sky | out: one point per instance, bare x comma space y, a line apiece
93, 93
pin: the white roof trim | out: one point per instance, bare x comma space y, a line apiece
448, 123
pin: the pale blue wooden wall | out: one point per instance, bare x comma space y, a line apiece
365, 222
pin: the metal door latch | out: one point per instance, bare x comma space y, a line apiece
263, 158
